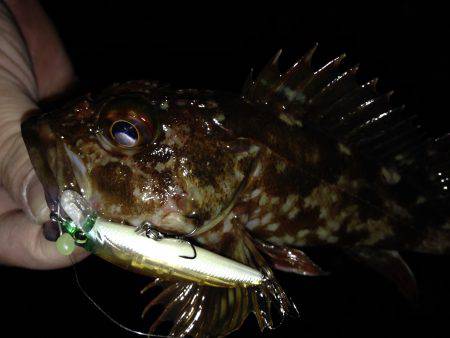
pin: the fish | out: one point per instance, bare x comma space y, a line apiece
304, 158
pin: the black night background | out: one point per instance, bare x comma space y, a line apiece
214, 46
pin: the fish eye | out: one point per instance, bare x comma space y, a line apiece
126, 123
125, 133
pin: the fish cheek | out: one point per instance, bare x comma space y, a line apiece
112, 183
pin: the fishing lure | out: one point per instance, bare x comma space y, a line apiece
305, 158
161, 257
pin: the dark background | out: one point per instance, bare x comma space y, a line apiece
214, 46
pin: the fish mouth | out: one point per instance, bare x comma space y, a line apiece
40, 140
50, 159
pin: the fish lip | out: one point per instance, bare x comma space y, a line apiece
38, 138
79, 172
46, 152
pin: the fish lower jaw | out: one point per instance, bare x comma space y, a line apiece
80, 173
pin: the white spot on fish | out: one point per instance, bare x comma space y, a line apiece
266, 218
332, 239
263, 200
289, 120
255, 193
244, 218
227, 225
325, 234
275, 240
280, 167
253, 150
239, 175
219, 118
252, 224
399, 157
137, 192
293, 213
421, 200
272, 226
390, 175
159, 167
333, 225
214, 238
288, 239
290, 201
302, 233
274, 200
344, 149
397, 209
258, 170
378, 230
333, 197
323, 213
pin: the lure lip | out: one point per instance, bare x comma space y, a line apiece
165, 258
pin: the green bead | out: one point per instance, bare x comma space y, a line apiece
65, 244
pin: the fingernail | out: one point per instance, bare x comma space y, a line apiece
51, 231
37, 206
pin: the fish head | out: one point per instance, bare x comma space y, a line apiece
142, 153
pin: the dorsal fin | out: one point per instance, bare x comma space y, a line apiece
333, 102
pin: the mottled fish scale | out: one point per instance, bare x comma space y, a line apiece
303, 158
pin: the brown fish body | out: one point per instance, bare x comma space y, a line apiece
310, 189
308, 158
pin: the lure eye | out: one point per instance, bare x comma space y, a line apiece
125, 133
126, 123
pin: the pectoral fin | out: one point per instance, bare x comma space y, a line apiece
290, 260
203, 311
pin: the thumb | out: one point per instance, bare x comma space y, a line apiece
18, 91
16, 171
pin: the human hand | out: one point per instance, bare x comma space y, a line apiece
33, 66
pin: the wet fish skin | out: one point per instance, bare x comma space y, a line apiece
308, 158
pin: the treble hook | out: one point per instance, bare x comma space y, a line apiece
156, 235
193, 249
183, 239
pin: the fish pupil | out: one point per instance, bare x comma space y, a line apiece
125, 133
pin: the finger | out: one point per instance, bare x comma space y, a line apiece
16, 172
6, 203
18, 94
23, 244
52, 67
16, 72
